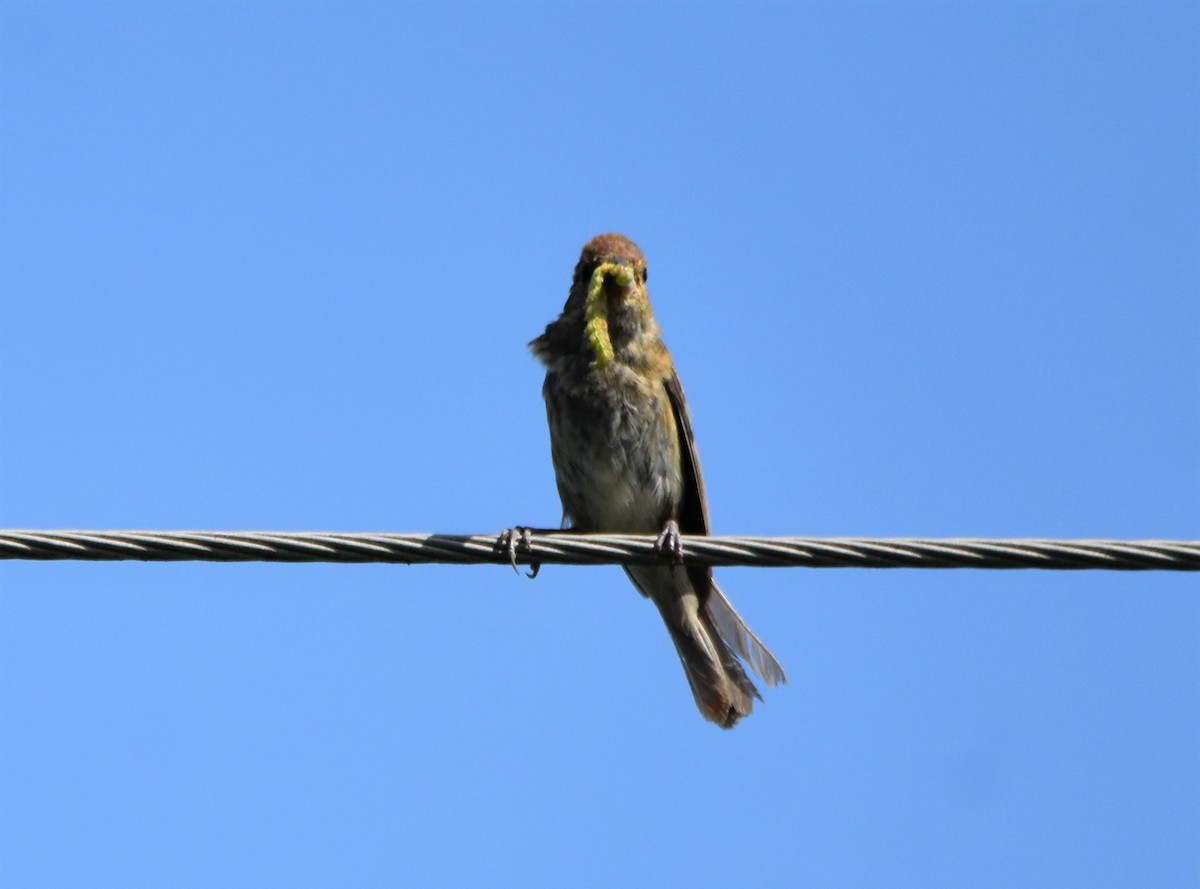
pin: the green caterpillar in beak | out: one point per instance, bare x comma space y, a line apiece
596, 313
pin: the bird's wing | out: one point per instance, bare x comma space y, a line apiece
693, 513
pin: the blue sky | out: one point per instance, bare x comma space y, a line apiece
926, 269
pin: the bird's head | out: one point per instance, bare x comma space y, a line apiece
609, 290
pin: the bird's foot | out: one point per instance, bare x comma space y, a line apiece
669, 542
514, 540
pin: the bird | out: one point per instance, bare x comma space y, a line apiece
625, 461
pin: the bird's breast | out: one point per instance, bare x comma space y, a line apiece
616, 452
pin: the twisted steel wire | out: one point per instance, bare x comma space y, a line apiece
565, 548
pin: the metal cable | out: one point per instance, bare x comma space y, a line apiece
565, 548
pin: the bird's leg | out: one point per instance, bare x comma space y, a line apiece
518, 539
669, 542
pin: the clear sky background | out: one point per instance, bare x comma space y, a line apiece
926, 269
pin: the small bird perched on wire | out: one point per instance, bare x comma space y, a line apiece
625, 461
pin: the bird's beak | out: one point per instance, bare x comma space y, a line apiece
624, 281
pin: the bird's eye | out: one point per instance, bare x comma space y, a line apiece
645, 274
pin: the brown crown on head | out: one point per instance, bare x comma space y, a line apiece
610, 248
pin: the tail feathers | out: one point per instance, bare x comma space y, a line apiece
742, 639
706, 639
723, 692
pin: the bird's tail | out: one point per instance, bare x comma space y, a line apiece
709, 637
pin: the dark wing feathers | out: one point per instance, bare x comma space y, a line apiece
693, 512
693, 518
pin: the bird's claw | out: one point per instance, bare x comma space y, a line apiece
669, 542
514, 540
